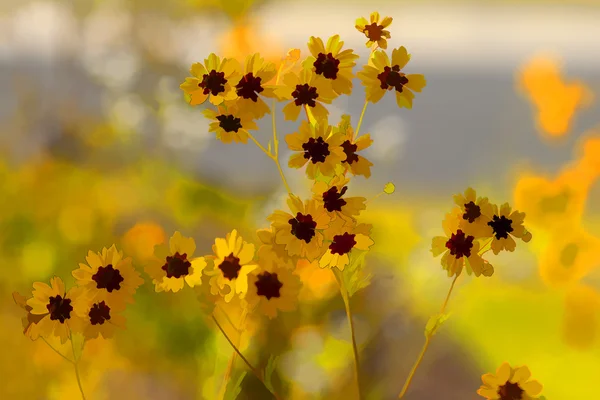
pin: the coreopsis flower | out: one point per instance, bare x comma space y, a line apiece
509, 384
174, 264
272, 287
316, 145
374, 30
356, 163
232, 261
30, 319
55, 306
271, 250
253, 85
230, 124
333, 197
109, 276
506, 225
459, 249
306, 89
380, 76
348, 238
99, 317
301, 231
214, 80
332, 63
475, 213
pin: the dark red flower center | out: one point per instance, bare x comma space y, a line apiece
316, 150
332, 200
510, 391
374, 31
502, 226
213, 82
460, 245
99, 313
350, 151
108, 278
59, 308
177, 265
230, 267
249, 87
268, 285
392, 78
472, 212
327, 65
229, 123
305, 95
342, 244
303, 227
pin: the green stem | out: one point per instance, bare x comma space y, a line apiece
76, 365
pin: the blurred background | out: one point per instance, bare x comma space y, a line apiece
98, 146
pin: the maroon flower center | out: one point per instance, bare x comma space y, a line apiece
502, 226
99, 313
229, 123
327, 65
460, 244
213, 82
108, 278
59, 308
510, 391
305, 95
472, 212
230, 267
374, 31
303, 227
177, 265
268, 285
249, 87
342, 244
316, 150
350, 151
332, 200
392, 78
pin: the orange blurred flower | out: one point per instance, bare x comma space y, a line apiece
139, 241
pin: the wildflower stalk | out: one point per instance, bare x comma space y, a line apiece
360, 120
231, 362
428, 337
273, 157
76, 365
58, 352
239, 353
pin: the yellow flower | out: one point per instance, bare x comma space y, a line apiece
108, 276
233, 260
351, 238
459, 249
380, 76
331, 196
30, 319
272, 288
175, 264
55, 306
316, 145
302, 230
98, 317
307, 89
253, 84
357, 164
273, 251
475, 211
215, 79
506, 224
230, 124
509, 384
375, 31
332, 63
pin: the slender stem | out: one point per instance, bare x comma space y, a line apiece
239, 353
76, 364
425, 346
360, 120
275, 159
227, 318
308, 119
58, 352
375, 197
231, 362
287, 187
260, 146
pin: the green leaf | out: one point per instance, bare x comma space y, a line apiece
319, 177
354, 276
344, 123
434, 323
234, 388
269, 369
